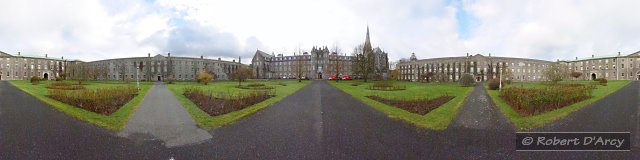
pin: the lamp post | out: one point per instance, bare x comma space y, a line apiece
137, 78
500, 85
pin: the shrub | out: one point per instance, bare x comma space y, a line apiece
219, 103
532, 101
467, 80
35, 80
355, 84
385, 86
205, 77
602, 81
64, 86
575, 74
170, 80
103, 101
494, 84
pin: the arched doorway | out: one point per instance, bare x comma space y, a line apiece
159, 78
319, 75
593, 76
638, 75
46, 76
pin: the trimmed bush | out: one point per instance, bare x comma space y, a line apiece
35, 80
532, 101
467, 80
602, 81
494, 84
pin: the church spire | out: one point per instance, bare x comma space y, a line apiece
367, 39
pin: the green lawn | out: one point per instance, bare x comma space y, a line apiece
528, 122
437, 119
209, 122
114, 122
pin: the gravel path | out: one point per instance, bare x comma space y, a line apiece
162, 116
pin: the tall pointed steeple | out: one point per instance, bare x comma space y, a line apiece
367, 44
367, 39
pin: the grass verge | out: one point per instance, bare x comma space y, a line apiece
438, 119
529, 122
114, 122
209, 122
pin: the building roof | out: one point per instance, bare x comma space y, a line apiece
263, 54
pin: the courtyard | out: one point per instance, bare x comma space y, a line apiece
304, 120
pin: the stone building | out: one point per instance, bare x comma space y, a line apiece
481, 67
159, 68
615, 67
21, 67
320, 63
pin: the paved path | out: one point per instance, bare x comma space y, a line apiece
162, 116
317, 122
31, 129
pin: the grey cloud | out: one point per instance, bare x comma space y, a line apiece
194, 39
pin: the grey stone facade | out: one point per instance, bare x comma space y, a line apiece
159, 68
617, 67
620, 67
480, 66
20, 67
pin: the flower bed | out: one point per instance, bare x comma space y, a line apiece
386, 86
65, 86
532, 101
102, 101
257, 86
219, 103
419, 106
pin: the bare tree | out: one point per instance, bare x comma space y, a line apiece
298, 64
363, 63
555, 73
338, 63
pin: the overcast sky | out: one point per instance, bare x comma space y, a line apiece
542, 29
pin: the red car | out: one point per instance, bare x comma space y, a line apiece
331, 77
346, 77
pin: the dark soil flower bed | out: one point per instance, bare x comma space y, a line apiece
220, 103
103, 101
417, 106
533, 101
65, 86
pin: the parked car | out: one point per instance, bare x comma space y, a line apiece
332, 77
346, 77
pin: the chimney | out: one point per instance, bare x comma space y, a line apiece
234, 60
239, 59
168, 54
201, 57
148, 54
218, 58
618, 54
46, 55
467, 54
62, 58
593, 56
576, 58
18, 53
489, 54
